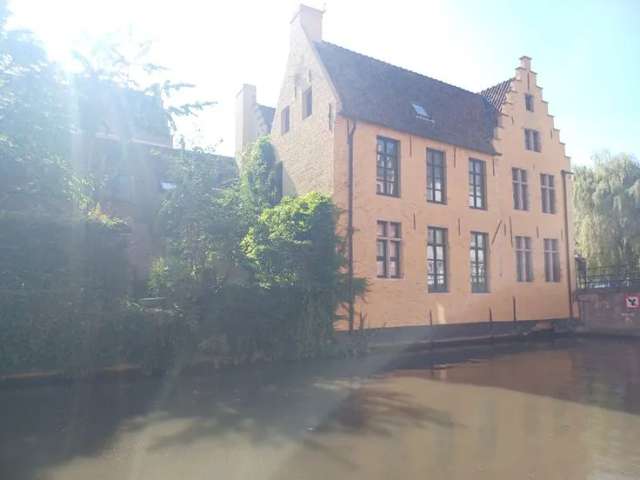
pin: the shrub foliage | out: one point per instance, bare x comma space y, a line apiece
254, 276
246, 275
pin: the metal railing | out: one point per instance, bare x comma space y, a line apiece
612, 277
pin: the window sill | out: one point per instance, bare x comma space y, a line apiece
436, 203
387, 195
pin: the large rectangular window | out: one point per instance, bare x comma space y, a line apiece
388, 240
387, 173
436, 176
548, 190
551, 260
520, 189
477, 184
478, 253
524, 263
531, 139
437, 271
307, 103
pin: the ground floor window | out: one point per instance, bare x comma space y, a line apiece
388, 249
478, 255
551, 260
437, 271
524, 264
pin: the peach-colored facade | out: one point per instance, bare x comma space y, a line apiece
315, 156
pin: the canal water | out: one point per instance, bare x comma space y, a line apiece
564, 409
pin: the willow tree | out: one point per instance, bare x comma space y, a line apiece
607, 210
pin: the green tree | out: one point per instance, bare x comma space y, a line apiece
260, 181
261, 277
294, 253
202, 225
294, 243
607, 210
64, 274
118, 92
35, 174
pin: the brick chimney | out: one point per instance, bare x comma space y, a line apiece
246, 124
525, 62
310, 19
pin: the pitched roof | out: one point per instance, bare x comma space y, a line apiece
267, 115
381, 93
497, 94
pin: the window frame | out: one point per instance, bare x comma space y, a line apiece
383, 180
548, 193
552, 270
475, 248
432, 169
524, 259
285, 120
437, 282
520, 186
528, 102
389, 236
475, 185
307, 103
532, 140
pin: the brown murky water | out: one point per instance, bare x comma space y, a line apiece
567, 409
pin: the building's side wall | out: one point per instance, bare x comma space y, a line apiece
306, 151
538, 299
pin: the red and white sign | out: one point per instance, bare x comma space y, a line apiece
632, 301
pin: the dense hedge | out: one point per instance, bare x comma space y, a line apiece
63, 287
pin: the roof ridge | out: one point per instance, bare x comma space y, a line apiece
398, 67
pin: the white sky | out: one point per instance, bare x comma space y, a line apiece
219, 45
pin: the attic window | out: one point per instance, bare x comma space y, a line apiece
421, 112
528, 102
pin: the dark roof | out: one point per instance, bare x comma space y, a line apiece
497, 94
267, 115
380, 93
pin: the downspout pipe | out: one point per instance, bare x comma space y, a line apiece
351, 130
566, 173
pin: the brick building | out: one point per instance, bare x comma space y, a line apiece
455, 202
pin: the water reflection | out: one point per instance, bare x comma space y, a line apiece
565, 409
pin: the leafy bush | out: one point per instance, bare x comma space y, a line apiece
254, 278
